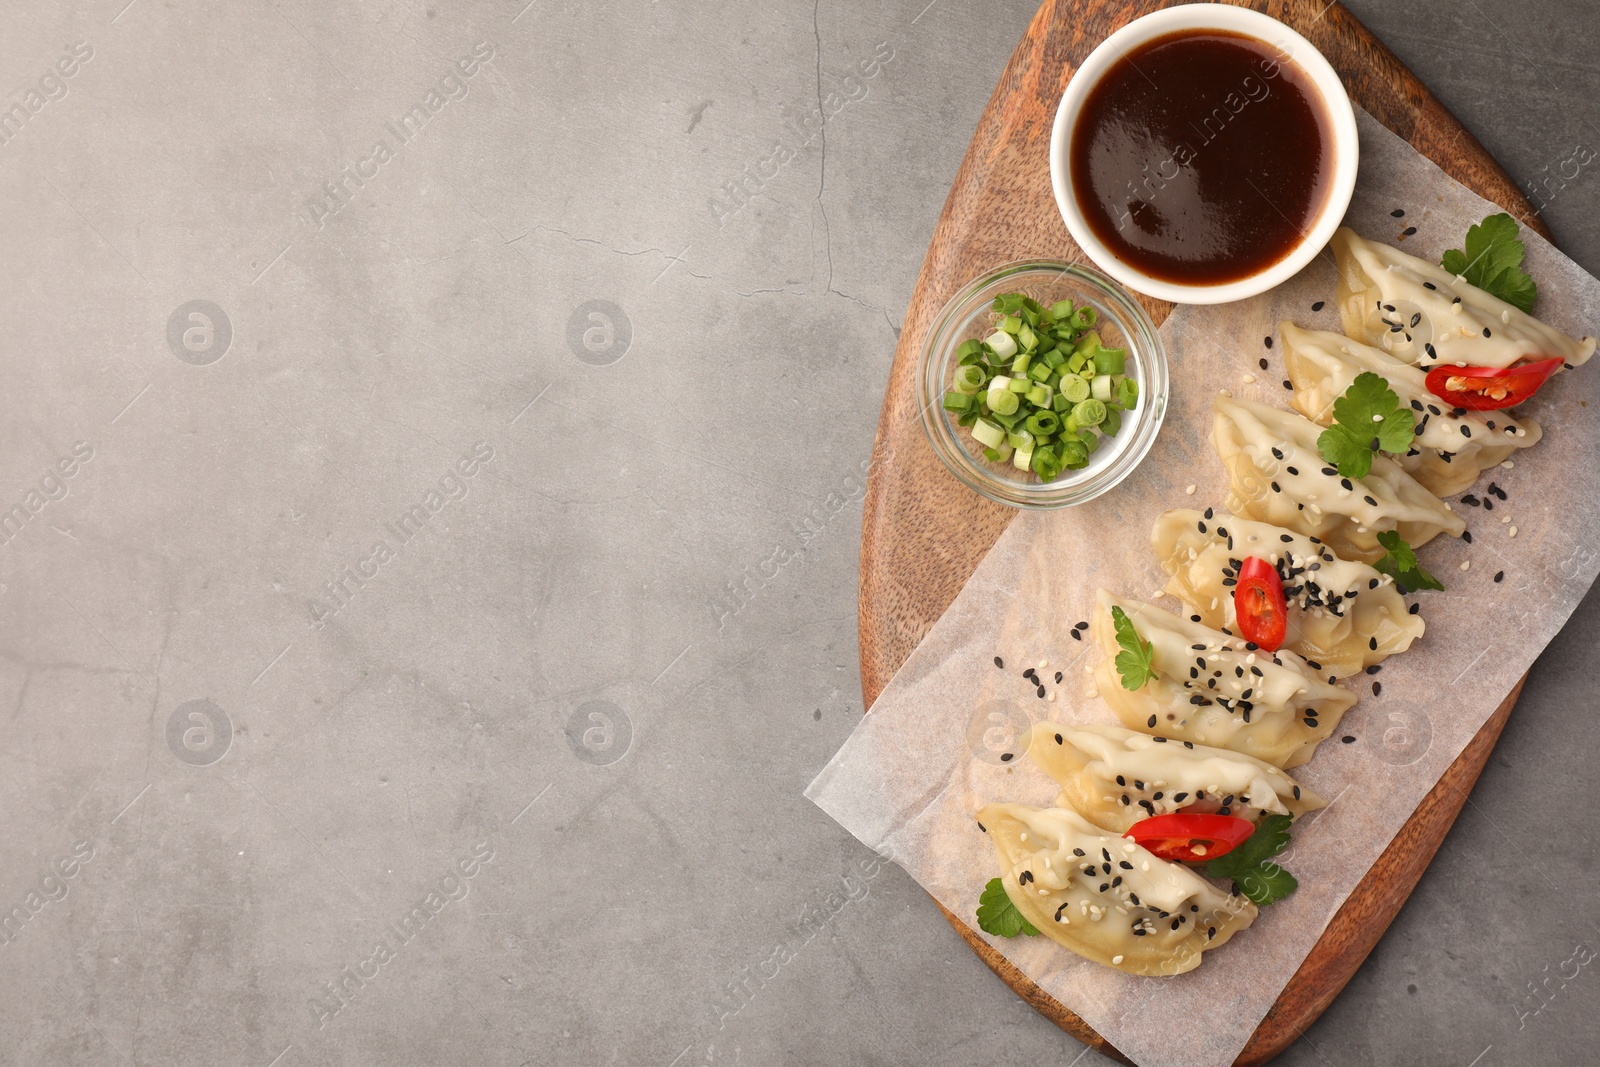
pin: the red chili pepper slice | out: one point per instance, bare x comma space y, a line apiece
1191, 838
1490, 388
1259, 605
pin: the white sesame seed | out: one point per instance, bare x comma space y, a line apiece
1116, 959
1093, 693
1513, 531
1249, 379
1505, 520
1190, 490
1508, 464
1043, 664
1466, 564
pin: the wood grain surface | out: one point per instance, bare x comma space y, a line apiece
923, 533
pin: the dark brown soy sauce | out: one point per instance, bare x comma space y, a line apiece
1202, 157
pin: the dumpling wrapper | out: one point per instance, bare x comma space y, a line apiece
1321, 367
1288, 711
1180, 912
1274, 467
1385, 300
1335, 611
1161, 776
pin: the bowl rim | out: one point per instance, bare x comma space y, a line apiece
1296, 49
943, 435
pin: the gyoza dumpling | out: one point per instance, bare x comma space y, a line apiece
1343, 615
1278, 475
1449, 453
1423, 314
1115, 777
1212, 690
1106, 898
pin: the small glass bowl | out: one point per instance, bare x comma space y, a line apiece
1122, 324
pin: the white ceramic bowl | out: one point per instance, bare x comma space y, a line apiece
1238, 20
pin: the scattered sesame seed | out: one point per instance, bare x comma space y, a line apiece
1377, 689
1318, 305
1466, 564
1005, 757
1398, 213
1249, 379
1287, 384
1190, 490
1347, 739
1513, 531
1499, 576
1269, 342
998, 662
1408, 231
1263, 363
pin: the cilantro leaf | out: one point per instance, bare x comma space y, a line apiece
1368, 418
998, 916
1493, 262
1266, 884
1136, 662
1250, 866
1400, 563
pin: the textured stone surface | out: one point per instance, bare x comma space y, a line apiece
541, 699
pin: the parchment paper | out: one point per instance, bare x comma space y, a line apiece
910, 777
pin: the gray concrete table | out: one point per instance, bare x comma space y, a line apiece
430, 469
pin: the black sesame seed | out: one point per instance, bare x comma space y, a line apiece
1125, 865
1466, 535
1375, 668
1377, 689
1398, 213
1416, 319
1430, 285
1408, 231
1269, 342
1077, 635
1413, 609
1297, 792
1292, 471
1041, 692
1081, 626
1287, 384
1078, 852
1059, 676
1317, 306
1486, 332
1120, 781
1369, 500
1005, 757
1347, 739
998, 662
1151, 723
1499, 576
1058, 741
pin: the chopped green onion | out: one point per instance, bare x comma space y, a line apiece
1128, 393
1002, 343
1100, 388
1060, 310
1011, 324
988, 433
1004, 402
1112, 423
1075, 389
1043, 423
1023, 460
1110, 360
1019, 439
1084, 317
1090, 412
954, 401
1039, 396
1073, 453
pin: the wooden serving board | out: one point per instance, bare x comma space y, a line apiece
923, 533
